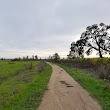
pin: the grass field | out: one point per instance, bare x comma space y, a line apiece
99, 89
22, 84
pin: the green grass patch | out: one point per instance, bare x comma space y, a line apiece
23, 90
10, 69
97, 88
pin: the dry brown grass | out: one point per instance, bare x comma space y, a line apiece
40, 68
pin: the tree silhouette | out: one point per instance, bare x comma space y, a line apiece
32, 57
76, 50
27, 57
56, 57
96, 37
36, 57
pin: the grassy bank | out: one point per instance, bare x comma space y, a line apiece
23, 84
97, 88
99, 67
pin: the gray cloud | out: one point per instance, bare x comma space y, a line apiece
46, 26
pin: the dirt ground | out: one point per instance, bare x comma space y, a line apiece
64, 93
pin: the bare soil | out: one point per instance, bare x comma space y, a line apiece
64, 93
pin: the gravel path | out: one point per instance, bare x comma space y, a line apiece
64, 93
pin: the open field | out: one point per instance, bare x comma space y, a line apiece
99, 89
22, 84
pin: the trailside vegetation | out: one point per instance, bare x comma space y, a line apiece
98, 67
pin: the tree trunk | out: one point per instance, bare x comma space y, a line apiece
100, 54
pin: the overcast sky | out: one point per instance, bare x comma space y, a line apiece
43, 27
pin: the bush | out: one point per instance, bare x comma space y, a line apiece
97, 66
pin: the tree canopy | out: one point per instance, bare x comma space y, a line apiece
56, 57
76, 50
96, 37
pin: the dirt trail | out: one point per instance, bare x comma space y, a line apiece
64, 93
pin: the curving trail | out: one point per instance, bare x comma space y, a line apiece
64, 93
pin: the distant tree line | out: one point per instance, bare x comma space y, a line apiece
96, 37
33, 58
